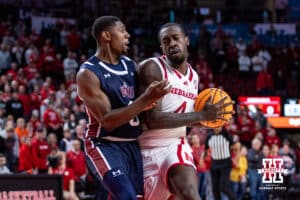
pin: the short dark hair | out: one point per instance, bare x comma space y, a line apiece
169, 24
101, 23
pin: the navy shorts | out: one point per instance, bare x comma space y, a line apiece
116, 164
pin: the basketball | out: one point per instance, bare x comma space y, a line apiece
217, 95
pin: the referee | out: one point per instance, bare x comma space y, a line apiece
220, 142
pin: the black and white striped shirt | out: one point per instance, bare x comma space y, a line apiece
220, 147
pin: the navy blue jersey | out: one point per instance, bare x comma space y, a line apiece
118, 82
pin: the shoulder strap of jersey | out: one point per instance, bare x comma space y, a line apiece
162, 67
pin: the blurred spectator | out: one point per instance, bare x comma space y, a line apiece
52, 141
65, 144
244, 63
254, 158
26, 163
274, 151
12, 71
265, 55
70, 122
14, 106
17, 54
70, 65
241, 46
297, 152
271, 137
3, 168
246, 124
79, 134
11, 145
52, 120
40, 150
2, 144
257, 63
294, 66
76, 162
5, 58
35, 120
36, 83
260, 118
21, 130
265, 151
238, 174
68, 177
31, 70
202, 164
281, 10
52, 158
25, 99
73, 40
280, 84
289, 164
264, 82
232, 128
47, 60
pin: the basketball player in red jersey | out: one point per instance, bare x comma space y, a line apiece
169, 171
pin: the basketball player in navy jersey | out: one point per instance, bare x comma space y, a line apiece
169, 171
107, 86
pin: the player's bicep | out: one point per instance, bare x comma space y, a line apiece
148, 71
88, 88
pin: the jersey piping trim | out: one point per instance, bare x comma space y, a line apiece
120, 73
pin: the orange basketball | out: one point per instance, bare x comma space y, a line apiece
217, 95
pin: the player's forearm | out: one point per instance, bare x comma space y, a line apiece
120, 116
161, 120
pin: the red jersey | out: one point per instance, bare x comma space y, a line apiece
30, 72
76, 161
35, 101
26, 158
25, 99
202, 166
67, 174
40, 152
51, 117
269, 140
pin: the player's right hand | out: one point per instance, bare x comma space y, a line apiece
216, 111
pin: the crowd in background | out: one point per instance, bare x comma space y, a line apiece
42, 120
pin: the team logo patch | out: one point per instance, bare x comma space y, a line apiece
127, 91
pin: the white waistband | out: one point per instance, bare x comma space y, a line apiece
117, 139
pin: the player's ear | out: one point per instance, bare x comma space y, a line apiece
187, 40
105, 35
162, 49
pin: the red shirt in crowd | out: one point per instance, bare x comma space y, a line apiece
74, 41
26, 161
13, 73
264, 80
51, 118
40, 152
203, 165
246, 128
30, 71
76, 161
25, 99
269, 140
67, 174
35, 101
